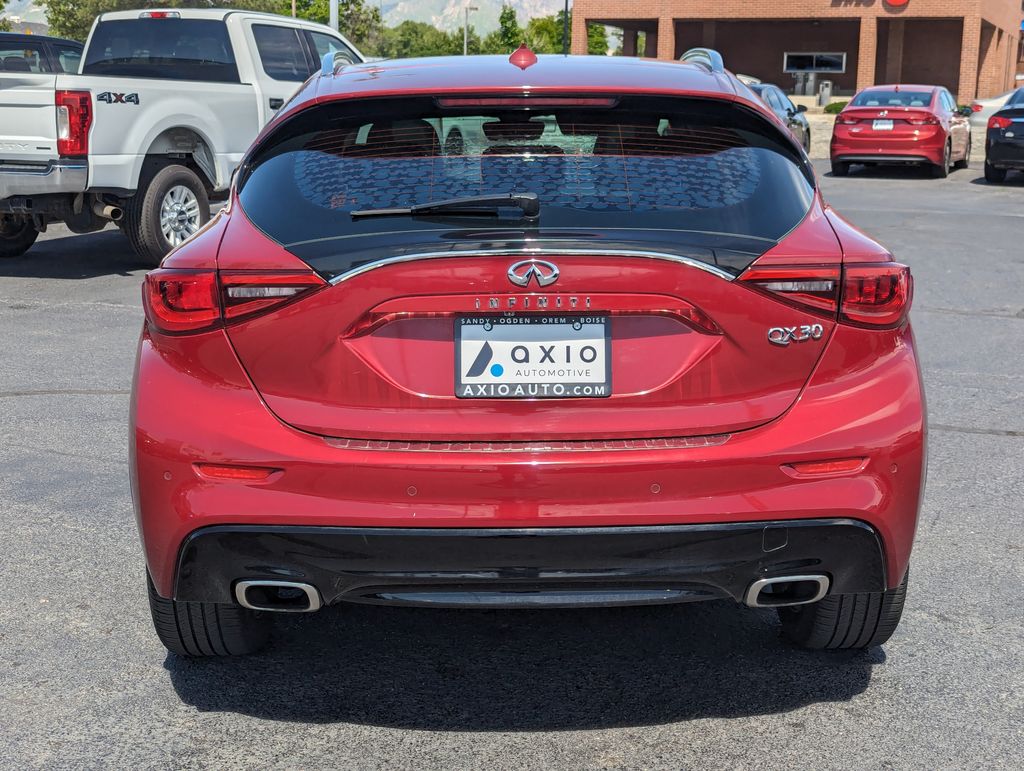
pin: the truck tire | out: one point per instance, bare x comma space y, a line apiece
843, 621
198, 629
17, 234
169, 207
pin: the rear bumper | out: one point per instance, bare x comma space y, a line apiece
508, 567
853, 149
32, 179
875, 412
1005, 153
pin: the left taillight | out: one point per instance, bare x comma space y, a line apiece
181, 301
876, 295
74, 119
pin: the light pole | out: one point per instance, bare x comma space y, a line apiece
334, 15
465, 30
565, 30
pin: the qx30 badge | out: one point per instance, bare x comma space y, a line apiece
787, 335
544, 273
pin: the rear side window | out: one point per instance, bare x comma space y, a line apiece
880, 98
640, 171
282, 54
69, 58
170, 49
1018, 98
24, 57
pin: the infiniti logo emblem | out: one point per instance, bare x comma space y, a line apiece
545, 273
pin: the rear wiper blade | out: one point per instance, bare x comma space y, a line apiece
476, 205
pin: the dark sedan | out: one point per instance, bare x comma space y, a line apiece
790, 114
1004, 142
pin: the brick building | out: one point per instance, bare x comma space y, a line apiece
969, 46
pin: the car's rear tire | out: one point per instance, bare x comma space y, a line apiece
17, 234
941, 171
207, 628
840, 168
966, 160
840, 621
993, 175
170, 205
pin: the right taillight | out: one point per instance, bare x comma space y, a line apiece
866, 294
74, 119
182, 301
876, 294
998, 122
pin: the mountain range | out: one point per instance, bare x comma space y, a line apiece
443, 14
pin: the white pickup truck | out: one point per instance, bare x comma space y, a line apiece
152, 127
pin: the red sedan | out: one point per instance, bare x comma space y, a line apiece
902, 124
539, 332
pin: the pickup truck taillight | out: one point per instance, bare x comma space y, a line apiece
74, 118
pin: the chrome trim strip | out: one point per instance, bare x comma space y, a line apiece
714, 270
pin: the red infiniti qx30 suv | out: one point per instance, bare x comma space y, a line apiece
527, 332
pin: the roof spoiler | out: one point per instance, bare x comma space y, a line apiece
708, 58
332, 62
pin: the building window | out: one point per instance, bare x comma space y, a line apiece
814, 62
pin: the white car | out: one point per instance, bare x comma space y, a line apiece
164, 106
983, 109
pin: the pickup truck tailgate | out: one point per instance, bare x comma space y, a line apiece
28, 118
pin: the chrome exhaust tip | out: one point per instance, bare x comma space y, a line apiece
278, 596
783, 591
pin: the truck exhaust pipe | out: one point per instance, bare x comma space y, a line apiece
108, 212
278, 596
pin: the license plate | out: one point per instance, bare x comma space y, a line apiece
882, 125
531, 356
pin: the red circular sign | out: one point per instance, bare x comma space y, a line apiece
897, 3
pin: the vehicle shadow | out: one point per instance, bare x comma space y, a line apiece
1012, 180
892, 172
537, 670
75, 256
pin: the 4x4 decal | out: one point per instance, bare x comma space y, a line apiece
111, 97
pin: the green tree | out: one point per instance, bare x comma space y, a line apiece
545, 34
415, 38
507, 37
5, 26
359, 22
73, 18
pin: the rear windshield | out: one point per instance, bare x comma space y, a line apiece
879, 98
171, 49
699, 177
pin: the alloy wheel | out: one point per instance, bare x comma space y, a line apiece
179, 215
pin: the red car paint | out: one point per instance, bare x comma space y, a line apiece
348, 410
919, 133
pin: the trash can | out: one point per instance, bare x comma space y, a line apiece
824, 92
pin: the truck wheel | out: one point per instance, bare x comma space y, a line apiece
860, 620
167, 209
207, 628
17, 234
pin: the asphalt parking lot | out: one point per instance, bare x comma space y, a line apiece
84, 681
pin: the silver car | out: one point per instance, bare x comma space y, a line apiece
983, 109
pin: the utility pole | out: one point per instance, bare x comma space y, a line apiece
565, 30
293, 9
334, 15
465, 30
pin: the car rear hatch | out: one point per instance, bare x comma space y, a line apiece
615, 313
